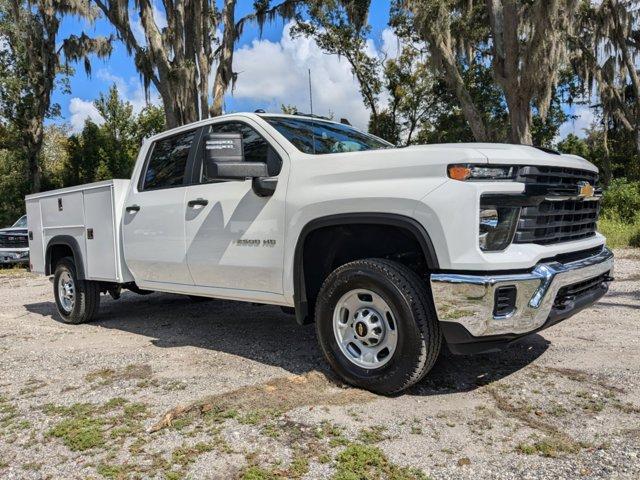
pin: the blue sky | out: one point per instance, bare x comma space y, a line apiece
272, 70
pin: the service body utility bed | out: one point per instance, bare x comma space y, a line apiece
91, 215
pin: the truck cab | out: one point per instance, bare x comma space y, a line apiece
392, 252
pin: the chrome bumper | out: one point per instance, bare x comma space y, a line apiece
13, 255
469, 299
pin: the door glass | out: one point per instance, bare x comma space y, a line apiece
256, 148
167, 162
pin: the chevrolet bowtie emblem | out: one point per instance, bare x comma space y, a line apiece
586, 190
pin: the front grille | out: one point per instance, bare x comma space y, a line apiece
556, 221
13, 241
569, 294
557, 180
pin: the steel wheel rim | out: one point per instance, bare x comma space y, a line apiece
66, 291
365, 328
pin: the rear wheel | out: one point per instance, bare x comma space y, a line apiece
77, 300
376, 325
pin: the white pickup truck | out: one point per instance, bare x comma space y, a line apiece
391, 251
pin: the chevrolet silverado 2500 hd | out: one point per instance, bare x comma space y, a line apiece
391, 251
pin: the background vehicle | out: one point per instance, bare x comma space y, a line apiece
14, 244
390, 251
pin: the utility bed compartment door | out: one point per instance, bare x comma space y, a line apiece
101, 237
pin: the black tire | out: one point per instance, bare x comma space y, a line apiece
419, 336
86, 295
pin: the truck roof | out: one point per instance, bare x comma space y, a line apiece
254, 115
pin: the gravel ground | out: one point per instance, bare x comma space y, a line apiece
164, 387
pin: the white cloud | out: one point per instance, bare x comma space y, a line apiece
80, 111
275, 73
584, 120
391, 44
130, 90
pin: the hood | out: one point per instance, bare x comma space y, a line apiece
508, 154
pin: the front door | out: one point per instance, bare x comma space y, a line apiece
153, 224
235, 238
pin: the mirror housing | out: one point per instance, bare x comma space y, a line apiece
224, 157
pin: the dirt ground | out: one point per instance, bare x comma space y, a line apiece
160, 386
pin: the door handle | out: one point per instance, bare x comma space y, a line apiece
198, 202
133, 208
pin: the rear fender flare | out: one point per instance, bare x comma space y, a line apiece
70, 242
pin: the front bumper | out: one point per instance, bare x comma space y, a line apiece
11, 256
465, 303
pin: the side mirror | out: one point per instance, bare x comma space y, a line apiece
224, 158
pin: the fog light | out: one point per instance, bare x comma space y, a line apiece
497, 227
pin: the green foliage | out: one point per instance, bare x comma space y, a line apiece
13, 186
622, 200
573, 145
80, 433
359, 461
109, 150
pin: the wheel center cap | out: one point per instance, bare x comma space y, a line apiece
361, 329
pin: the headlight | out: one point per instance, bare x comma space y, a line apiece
497, 226
481, 172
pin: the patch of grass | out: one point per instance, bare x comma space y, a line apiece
186, 455
298, 468
620, 233
107, 376
8, 413
372, 435
327, 429
31, 386
258, 473
174, 385
359, 461
89, 425
80, 433
114, 471
551, 446
255, 417
218, 414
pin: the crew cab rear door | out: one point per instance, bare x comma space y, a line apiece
235, 238
154, 217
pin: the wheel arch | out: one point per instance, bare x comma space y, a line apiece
55, 249
402, 222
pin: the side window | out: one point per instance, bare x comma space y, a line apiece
256, 148
167, 162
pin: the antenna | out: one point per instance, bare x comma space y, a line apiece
310, 93
313, 133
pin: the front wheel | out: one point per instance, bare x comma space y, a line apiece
77, 300
376, 326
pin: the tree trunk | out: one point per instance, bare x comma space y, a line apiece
455, 82
520, 119
224, 73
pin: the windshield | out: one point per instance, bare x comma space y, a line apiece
320, 137
22, 222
